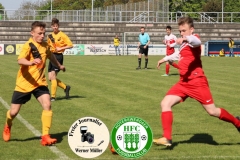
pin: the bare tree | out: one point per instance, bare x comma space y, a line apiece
26, 11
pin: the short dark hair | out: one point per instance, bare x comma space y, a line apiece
55, 21
187, 20
142, 27
38, 24
169, 27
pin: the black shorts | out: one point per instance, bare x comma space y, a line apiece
22, 98
143, 50
59, 57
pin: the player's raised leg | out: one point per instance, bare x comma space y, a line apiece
222, 114
10, 115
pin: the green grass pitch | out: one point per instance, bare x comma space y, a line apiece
109, 88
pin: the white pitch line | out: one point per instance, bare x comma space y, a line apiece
35, 132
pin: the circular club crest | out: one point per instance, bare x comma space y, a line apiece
10, 49
131, 137
88, 137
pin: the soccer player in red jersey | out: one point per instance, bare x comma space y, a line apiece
170, 42
193, 83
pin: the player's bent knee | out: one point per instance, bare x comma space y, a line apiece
165, 106
213, 112
46, 106
13, 113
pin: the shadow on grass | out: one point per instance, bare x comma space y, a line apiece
70, 97
58, 136
196, 138
145, 69
199, 138
174, 74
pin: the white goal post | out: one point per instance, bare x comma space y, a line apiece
130, 42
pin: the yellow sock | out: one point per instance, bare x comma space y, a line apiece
9, 119
46, 121
61, 84
53, 88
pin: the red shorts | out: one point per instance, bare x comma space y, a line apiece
196, 88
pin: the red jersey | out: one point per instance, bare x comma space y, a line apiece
190, 64
170, 41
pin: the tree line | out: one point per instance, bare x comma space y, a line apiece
174, 5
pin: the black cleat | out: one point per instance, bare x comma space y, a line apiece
67, 91
138, 68
52, 99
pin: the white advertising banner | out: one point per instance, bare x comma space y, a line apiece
96, 49
78, 49
111, 49
157, 49
154, 49
1, 49
131, 49
104, 49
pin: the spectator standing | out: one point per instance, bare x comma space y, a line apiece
231, 44
116, 42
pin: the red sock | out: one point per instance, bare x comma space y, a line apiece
167, 120
175, 65
225, 116
167, 68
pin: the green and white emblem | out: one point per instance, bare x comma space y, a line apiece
131, 137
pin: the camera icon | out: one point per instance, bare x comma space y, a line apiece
86, 136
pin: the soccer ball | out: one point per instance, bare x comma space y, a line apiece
119, 137
144, 137
112, 149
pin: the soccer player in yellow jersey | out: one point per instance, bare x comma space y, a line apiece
231, 45
58, 41
31, 80
116, 42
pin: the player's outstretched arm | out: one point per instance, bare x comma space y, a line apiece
172, 57
193, 40
25, 62
56, 63
160, 62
